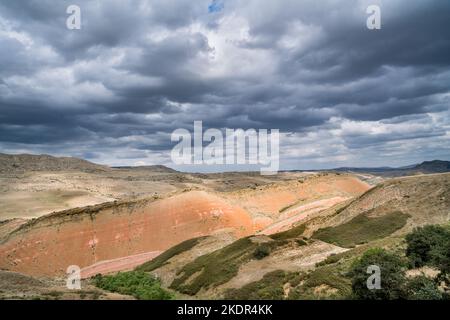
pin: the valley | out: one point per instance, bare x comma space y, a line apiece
204, 235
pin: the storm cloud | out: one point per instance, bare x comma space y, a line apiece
340, 94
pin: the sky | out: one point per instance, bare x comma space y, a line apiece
114, 91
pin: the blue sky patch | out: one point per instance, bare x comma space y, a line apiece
216, 6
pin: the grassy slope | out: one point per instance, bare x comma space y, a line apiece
289, 234
163, 258
214, 268
270, 287
330, 273
362, 229
301, 286
218, 267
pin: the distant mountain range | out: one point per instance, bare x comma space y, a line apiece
28, 162
154, 168
435, 166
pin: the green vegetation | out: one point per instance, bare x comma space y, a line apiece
422, 288
392, 270
362, 229
214, 268
261, 251
163, 258
331, 259
331, 277
340, 276
218, 267
278, 285
429, 245
138, 284
290, 234
394, 283
270, 287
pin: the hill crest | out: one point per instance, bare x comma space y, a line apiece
43, 162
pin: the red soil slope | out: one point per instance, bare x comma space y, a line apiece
88, 236
273, 203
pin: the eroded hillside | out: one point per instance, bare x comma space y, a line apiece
86, 236
310, 260
122, 234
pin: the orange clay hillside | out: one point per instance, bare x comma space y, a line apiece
276, 207
121, 235
83, 237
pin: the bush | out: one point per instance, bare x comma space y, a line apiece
141, 285
429, 245
261, 251
422, 288
392, 275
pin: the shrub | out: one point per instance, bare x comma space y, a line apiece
422, 288
261, 251
392, 275
429, 245
141, 285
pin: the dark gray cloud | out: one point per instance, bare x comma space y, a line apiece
114, 91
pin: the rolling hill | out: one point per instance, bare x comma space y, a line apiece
29, 162
311, 258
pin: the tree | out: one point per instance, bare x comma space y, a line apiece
392, 275
429, 245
